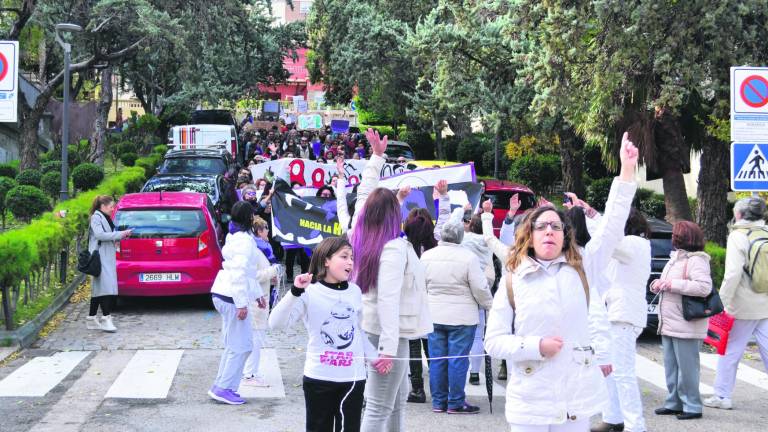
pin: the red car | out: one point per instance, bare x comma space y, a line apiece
499, 192
173, 248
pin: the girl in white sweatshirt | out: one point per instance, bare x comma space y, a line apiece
331, 309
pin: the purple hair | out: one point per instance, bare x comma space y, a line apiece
378, 222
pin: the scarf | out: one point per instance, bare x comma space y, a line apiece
266, 249
109, 220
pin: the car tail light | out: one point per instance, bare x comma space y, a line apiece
117, 249
202, 244
233, 144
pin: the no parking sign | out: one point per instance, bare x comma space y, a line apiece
9, 80
749, 104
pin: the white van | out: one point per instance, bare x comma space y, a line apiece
203, 136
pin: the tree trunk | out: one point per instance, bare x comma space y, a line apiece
29, 119
672, 156
572, 160
437, 127
102, 114
712, 209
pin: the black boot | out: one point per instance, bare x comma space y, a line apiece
503, 371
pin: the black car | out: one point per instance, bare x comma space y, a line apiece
198, 161
220, 190
661, 246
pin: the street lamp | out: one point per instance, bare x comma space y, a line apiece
67, 47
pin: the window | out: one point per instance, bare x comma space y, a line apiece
305, 6
162, 223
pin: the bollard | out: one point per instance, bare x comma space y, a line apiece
63, 267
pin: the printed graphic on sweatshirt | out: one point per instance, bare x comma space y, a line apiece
338, 330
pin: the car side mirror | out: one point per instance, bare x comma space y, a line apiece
225, 218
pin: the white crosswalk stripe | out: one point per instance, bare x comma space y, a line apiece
148, 375
41, 374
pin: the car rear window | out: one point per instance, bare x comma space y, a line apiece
394, 152
661, 247
182, 184
162, 223
193, 165
500, 199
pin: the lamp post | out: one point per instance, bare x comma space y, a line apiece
67, 47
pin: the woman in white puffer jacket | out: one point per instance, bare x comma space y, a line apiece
561, 332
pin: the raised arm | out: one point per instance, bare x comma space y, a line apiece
443, 207
371, 173
292, 307
100, 231
499, 249
342, 211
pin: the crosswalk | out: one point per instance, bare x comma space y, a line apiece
149, 374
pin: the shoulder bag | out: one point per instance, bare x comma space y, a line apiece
700, 307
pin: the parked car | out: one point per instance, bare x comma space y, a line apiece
173, 248
220, 191
661, 246
198, 161
499, 192
399, 149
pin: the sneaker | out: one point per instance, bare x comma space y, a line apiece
417, 395
255, 381
92, 323
107, 325
464, 409
474, 378
608, 427
438, 409
225, 396
718, 402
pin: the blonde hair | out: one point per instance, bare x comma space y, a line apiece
259, 223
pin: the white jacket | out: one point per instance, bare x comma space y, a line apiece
736, 292
456, 284
246, 271
551, 302
627, 275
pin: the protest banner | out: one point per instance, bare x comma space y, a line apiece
306, 172
306, 220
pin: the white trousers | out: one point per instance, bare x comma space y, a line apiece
581, 425
254, 360
737, 342
625, 403
237, 345
477, 345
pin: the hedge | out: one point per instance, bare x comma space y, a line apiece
8, 170
29, 177
87, 176
34, 245
716, 263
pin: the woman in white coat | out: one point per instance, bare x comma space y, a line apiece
561, 332
236, 286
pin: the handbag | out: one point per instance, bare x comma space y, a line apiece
717, 333
90, 262
700, 307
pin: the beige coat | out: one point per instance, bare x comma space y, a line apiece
456, 284
690, 275
738, 297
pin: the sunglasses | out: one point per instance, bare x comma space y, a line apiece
541, 226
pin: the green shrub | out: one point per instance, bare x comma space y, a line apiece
8, 170
161, 149
421, 142
654, 206
127, 147
128, 159
51, 184
51, 166
30, 177
597, 193
87, 176
717, 262
539, 172
26, 202
6, 184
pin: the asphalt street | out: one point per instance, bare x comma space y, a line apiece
153, 374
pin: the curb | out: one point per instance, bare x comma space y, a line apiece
23, 336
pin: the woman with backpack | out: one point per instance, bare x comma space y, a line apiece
687, 273
744, 295
548, 321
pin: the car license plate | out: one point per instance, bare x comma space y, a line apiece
653, 309
160, 277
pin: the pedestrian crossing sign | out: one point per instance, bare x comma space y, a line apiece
749, 167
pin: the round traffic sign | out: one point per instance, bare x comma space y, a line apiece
3, 66
754, 91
